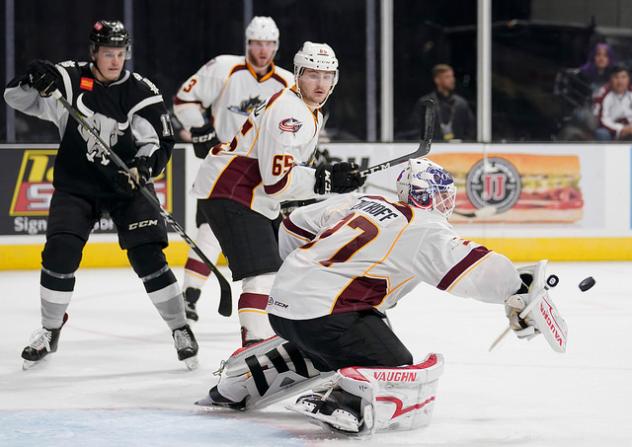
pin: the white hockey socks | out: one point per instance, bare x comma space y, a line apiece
253, 316
196, 272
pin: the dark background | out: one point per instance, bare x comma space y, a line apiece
532, 41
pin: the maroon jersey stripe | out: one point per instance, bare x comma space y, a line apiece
273, 98
456, 271
291, 226
237, 68
362, 293
278, 186
238, 181
177, 101
280, 79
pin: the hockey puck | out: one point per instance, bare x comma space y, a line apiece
586, 283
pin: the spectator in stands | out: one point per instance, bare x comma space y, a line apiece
614, 108
595, 73
453, 118
580, 89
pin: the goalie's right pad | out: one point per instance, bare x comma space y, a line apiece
363, 400
261, 374
541, 314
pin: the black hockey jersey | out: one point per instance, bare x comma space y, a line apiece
129, 114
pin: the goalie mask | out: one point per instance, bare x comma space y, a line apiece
317, 56
113, 34
426, 185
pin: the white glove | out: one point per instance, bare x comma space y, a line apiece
522, 327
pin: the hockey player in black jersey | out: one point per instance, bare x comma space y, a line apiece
128, 112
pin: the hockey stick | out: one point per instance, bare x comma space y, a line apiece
225, 300
486, 211
424, 145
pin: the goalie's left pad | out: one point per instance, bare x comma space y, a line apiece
543, 316
261, 374
362, 400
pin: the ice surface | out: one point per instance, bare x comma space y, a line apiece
116, 381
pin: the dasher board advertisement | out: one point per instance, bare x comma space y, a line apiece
529, 185
26, 189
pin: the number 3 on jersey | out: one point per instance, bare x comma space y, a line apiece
281, 163
368, 232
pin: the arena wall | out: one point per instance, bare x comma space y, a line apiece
560, 202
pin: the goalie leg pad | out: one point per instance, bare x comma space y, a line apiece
399, 398
262, 374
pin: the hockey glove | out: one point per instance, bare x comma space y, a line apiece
342, 177
522, 327
203, 139
44, 77
138, 175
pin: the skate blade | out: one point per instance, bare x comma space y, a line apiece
205, 402
31, 364
329, 423
191, 363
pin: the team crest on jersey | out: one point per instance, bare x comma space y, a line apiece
290, 125
247, 105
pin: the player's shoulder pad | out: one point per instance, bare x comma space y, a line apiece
147, 87
222, 65
287, 75
71, 67
289, 120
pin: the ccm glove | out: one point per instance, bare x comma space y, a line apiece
203, 139
342, 177
138, 175
44, 77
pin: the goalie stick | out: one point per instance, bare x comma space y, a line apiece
424, 145
225, 300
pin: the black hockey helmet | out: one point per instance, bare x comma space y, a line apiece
106, 33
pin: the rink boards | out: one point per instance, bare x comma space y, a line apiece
562, 202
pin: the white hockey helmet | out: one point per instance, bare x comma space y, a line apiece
262, 28
426, 185
317, 56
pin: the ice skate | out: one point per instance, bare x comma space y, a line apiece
215, 399
191, 296
187, 346
43, 341
338, 411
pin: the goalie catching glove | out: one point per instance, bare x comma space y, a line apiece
341, 178
542, 315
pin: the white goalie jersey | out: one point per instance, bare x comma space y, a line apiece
355, 252
263, 164
230, 87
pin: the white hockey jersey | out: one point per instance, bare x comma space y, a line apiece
262, 165
229, 85
355, 252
